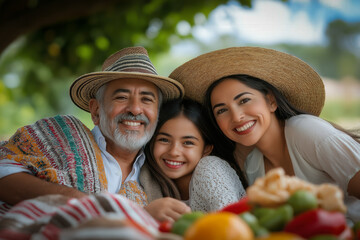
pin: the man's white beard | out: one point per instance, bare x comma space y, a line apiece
130, 140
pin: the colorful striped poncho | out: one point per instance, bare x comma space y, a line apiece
59, 149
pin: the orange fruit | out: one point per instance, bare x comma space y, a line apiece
280, 236
219, 225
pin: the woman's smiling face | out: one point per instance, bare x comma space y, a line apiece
178, 147
242, 113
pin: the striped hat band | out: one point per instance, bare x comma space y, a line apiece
128, 63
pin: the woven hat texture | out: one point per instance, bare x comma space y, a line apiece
295, 79
128, 63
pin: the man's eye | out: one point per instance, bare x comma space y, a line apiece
120, 97
148, 99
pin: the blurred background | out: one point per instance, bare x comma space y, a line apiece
46, 44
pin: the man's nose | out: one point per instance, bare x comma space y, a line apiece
134, 106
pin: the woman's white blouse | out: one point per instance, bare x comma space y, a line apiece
319, 154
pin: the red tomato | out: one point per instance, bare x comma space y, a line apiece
165, 226
238, 207
317, 221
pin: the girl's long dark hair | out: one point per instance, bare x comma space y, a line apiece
193, 111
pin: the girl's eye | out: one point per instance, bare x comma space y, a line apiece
165, 140
189, 143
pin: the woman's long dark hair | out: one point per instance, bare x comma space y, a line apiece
193, 111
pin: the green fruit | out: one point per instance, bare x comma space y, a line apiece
180, 227
192, 216
185, 221
249, 218
302, 201
259, 212
276, 220
253, 223
286, 211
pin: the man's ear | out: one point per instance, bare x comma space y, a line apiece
207, 150
272, 101
94, 110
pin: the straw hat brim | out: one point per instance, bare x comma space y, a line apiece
85, 87
295, 79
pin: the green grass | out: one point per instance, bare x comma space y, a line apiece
343, 112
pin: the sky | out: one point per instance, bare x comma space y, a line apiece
270, 22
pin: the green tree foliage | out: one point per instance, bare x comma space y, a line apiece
58, 40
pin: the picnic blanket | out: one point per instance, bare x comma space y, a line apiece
97, 216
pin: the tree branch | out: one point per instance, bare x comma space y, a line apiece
20, 17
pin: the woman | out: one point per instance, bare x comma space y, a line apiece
179, 158
270, 101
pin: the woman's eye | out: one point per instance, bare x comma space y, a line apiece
220, 111
244, 100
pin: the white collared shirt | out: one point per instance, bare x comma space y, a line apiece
112, 169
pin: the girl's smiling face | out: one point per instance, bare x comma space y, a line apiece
242, 113
178, 147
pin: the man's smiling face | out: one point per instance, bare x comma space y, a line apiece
128, 113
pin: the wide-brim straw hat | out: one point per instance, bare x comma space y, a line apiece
296, 80
128, 63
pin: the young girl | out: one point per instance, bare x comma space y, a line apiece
179, 158
270, 101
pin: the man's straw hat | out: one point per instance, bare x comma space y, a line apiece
295, 79
129, 63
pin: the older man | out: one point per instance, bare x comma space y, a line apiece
60, 155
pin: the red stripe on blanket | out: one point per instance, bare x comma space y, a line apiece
51, 232
23, 213
12, 235
93, 206
38, 209
146, 219
5, 206
70, 213
135, 223
90, 210
32, 208
77, 209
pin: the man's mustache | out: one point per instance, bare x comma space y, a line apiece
126, 116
